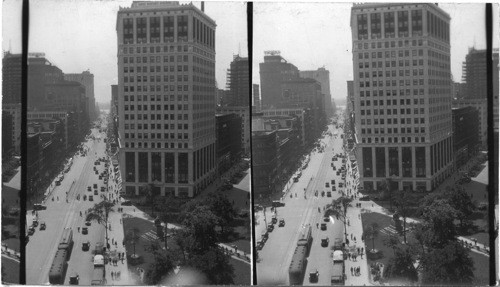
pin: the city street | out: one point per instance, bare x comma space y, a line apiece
64, 205
299, 210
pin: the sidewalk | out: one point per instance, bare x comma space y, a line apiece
115, 234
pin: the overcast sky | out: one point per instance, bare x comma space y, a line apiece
313, 35
77, 35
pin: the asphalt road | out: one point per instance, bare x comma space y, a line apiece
60, 214
276, 255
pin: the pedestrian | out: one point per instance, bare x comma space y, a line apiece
317, 225
349, 255
78, 228
351, 236
359, 271
112, 275
352, 273
354, 238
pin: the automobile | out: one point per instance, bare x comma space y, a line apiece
334, 188
84, 197
277, 203
127, 203
364, 198
85, 230
338, 244
323, 194
331, 164
334, 168
103, 188
95, 192
74, 279
274, 219
58, 183
270, 227
31, 230
100, 177
89, 188
95, 185
35, 223
341, 184
328, 194
88, 223
327, 184
282, 222
38, 206
260, 244
314, 276
333, 181
91, 198
264, 236
323, 226
296, 179
325, 241
86, 246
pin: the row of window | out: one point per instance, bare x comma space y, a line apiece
416, 130
155, 59
166, 49
156, 98
393, 139
180, 136
157, 69
402, 83
391, 102
157, 88
389, 93
153, 79
392, 44
407, 111
153, 117
392, 64
393, 121
392, 73
156, 145
391, 54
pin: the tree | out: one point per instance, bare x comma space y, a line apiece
150, 191
99, 212
450, 264
160, 267
461, 202
338, 208
403, 208
199, 232
372, 232
214, 263
392, 241
401, 265
132, 236
439, 225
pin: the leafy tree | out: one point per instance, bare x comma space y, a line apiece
132, 236
461, 202
401, 265
160, 267
372, 232
199, 232
151, 194
215, 265
450, 264
392, 241
403, 208
439, 226
338, 208
99, 212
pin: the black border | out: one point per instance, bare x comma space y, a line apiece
492, 153
250, 109
24, 105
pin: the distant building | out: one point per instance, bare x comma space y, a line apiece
256, 97
7, 134
238, 82
11, 78
229, 145
481, 105
87, 80
273, 72
465, 143
305, 122
14, 110
68, 124
40, 73
322, 75
264, 163
244, 113
474, 73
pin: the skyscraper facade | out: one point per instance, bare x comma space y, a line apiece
273, 72
166, 97
322, 75
11, 78
87, 80
256, 97
402, 92
238, 82
475, 73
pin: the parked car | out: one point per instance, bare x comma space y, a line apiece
85, 230
86, 246
282, 222
91, 198
89, 188
31, 230
323, 226
95, 192
270, 227
43, 226
325, 241
314, 276
328, 194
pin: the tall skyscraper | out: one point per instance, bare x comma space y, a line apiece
273, 72
402, 92
256, 97
11, 78
474, 73
238, 82
87, 80
322, 75
166, 97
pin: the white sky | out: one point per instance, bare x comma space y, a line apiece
313, 35
77, 35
